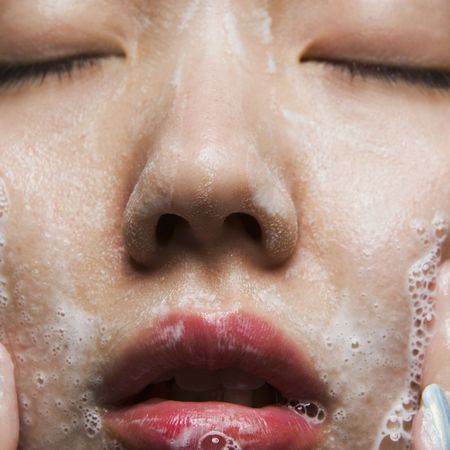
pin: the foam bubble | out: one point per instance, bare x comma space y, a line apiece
311, 411
355, 343
40, 380
216, 440
421, 290
92, 422
340, 415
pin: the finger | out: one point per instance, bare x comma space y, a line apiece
437, 361
9, 416
431, 429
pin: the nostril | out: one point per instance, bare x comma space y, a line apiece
166, 227
246, 222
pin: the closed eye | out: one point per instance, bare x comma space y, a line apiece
428, 78
14, 74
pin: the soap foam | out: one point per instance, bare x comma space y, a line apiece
216, 440
369, 348
50, 401
312, 412
47, 403
421, 292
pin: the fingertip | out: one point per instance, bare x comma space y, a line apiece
443, 281
418, 438
9, 416
6, 364
437, 359
431, 429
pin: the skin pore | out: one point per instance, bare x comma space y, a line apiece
201, 109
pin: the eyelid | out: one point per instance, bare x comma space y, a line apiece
18, 73
431, 78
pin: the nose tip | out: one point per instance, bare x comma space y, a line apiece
189, 209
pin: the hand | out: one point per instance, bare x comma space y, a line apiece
9, 413
431, 428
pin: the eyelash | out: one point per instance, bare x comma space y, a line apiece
12, 75
427, 78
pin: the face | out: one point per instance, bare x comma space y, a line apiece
221, 165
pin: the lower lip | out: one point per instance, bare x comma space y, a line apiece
169, 425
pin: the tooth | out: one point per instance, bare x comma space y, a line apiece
197, 380
236, 379
239, 397
263, 396
164, 377
181, 395
210, 396
160, 390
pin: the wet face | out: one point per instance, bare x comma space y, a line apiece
223, 159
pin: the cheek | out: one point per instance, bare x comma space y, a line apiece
53, 340
379, 333
367, 216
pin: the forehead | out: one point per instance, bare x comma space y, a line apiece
431, 14
440, 6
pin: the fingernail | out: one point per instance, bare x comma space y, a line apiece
437, 414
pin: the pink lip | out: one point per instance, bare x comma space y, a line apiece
212, 341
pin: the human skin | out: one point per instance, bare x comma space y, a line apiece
202, 109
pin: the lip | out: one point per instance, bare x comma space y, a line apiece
212, 341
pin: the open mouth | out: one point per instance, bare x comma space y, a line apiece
227, 381
229, 385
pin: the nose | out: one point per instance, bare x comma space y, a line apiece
184, 204
207, 183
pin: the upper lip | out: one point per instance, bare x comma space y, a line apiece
212, 341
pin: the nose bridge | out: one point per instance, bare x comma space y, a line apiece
209, 76
208, 106
207, 130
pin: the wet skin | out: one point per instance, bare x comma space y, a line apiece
297, 190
